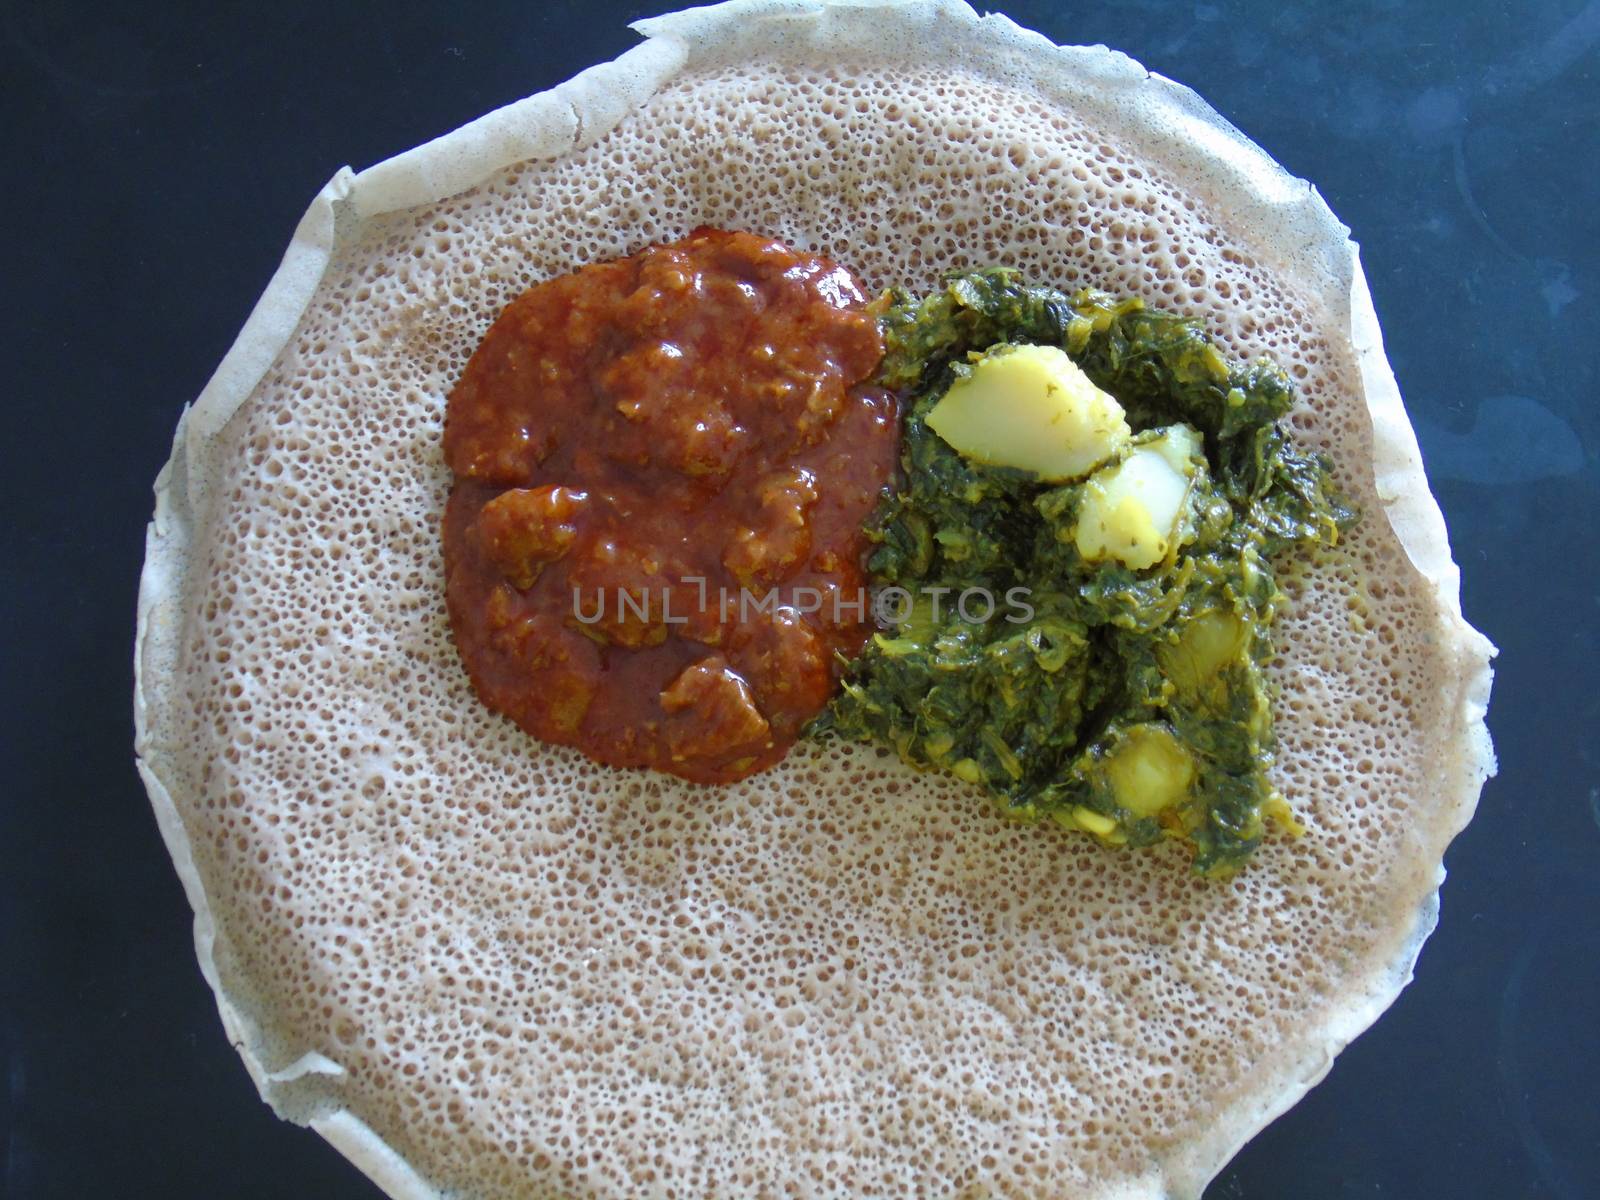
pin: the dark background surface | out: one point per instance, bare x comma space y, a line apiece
156, 159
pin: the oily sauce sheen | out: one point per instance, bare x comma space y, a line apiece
663, 465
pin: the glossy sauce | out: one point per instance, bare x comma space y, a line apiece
663, 465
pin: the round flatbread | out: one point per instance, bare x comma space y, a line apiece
481, 965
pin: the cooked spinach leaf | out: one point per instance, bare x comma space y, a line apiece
1130, 704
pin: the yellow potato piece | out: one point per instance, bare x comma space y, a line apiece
1208, 643
1150, 771
1032, 408
1130, 511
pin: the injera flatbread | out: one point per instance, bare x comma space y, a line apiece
481, 966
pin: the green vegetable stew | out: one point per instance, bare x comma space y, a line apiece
1078, 567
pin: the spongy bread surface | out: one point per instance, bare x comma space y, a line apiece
484, 966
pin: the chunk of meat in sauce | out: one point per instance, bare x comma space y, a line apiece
524, 528
770, 549
788, 662
633, 444
619, 591
715, 713
535, 645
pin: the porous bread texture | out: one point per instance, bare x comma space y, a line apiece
483, 966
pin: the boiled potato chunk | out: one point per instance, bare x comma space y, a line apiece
1208, 643
1130, 511
1150, 771
1032, 408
